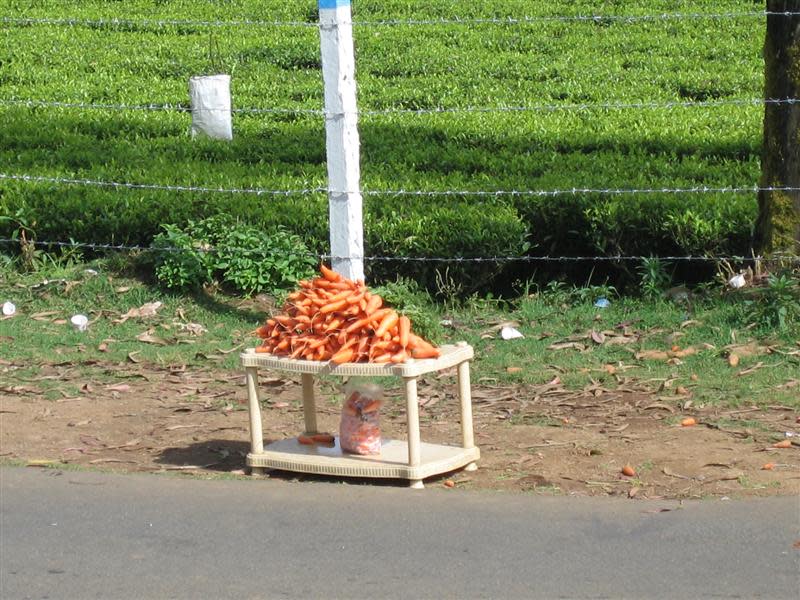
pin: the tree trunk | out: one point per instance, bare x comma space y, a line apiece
778, 226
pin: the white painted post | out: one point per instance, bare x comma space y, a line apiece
342, 141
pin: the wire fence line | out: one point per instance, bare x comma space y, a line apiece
182, 108
403, 259
522, 20
158, 187
746, 189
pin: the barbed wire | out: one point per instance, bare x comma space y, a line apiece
575, 191
406, 259
527, 20
159, 187
151, 107
523, 20
401, 192
415, 111
154, 23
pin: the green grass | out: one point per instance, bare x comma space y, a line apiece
543, 318
104, 298
407, 67
546, 320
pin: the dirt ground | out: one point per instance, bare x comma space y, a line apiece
537, 439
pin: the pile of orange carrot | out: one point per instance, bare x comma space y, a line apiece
331, 318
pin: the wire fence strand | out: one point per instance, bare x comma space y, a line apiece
461, 21
668, 105
401, 192
401, 259
158, 187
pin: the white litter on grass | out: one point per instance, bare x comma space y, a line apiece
80, 322
9, 309
602, 303
509, 333
737, 281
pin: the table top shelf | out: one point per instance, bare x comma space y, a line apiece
452, 355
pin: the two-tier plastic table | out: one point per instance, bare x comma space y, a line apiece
411, 459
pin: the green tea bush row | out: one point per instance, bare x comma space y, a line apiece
551, 63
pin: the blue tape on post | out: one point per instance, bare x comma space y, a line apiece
333, 4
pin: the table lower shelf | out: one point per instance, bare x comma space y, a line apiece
391, 463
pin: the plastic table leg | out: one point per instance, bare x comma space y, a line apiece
412, 416
254, 406
465, 395
309, 404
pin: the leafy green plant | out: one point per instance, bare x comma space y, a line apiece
777, 305
246, 258
590, 293
182, 262
654, 278
253, 261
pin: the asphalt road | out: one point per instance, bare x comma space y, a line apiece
76, 535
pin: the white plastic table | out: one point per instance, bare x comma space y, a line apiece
410, 459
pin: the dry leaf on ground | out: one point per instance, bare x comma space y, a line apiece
145, 310
148, 338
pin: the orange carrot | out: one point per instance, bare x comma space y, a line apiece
363, 345
342, 356
323, 438
298, 351
333, 325
304, 439
329, 274
404, 328
428, 352
359, 324
343, 295
399, 357
333, 306
390, 320
373, 304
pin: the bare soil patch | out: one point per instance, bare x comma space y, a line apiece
542, 439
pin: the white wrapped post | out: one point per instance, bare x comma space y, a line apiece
342, 141
210, 98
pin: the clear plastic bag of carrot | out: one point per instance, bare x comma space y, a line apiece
332, 318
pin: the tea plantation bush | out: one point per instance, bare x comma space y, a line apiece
553, 63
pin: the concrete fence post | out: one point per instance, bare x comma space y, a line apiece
342, 140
